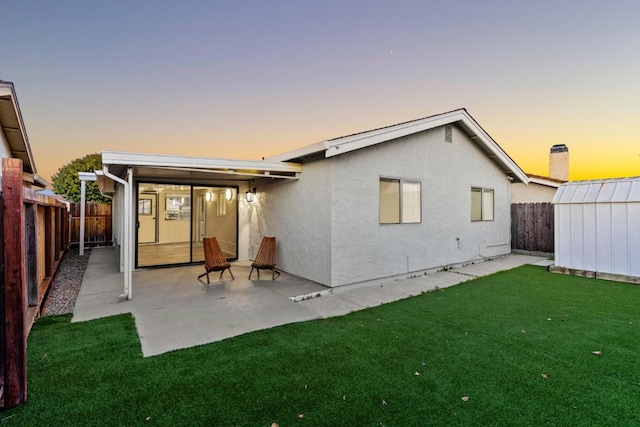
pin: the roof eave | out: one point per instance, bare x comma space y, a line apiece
300, 153
8, 90
474, 130
235, 169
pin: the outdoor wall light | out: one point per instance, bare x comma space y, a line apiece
251, 194
208, 196
228, 194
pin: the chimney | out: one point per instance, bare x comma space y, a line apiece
559, 162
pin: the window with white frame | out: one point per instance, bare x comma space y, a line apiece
400, 201
481, 204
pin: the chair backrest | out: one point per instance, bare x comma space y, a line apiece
267, 252
213, 256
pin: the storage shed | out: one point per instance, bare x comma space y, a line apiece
597, 229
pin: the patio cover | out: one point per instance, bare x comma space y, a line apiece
122, 167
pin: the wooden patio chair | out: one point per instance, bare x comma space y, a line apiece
266, 258
214, 260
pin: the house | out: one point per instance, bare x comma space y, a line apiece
388, 202
14, 142
542, 189
597, 229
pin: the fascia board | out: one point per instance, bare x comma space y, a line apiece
356, 142
7, 89
544, 182
87, 176
166, 160
495, 149
307, 150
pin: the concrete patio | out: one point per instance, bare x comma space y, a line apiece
174, 310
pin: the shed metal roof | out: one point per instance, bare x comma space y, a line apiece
618, 190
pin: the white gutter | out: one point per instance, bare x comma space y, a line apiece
127, 230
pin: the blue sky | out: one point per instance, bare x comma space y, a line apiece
255, 78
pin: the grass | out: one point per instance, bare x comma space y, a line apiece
491, 339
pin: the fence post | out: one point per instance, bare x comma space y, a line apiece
15, 298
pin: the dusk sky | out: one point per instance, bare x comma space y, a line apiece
246, 79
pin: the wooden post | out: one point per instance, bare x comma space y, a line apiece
2, 311
15, 298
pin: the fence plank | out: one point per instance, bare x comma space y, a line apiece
3, 347
532, 227
15, 381
31, 255
98, 229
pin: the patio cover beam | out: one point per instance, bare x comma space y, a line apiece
204, 163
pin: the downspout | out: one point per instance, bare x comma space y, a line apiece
126, 229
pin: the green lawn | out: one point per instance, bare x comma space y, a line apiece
492, 340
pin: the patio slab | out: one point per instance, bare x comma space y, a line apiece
174, 310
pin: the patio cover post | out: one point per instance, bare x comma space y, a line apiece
84, 176
127, 229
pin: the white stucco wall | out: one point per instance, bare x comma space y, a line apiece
327, 223
365, 250
298, 214
5, 151
532, 193
117, 218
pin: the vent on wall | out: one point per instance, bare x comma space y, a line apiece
448, 133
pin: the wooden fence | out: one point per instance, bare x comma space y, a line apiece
33, 238
532, 227
97, 224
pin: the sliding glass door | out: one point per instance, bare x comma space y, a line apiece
173, 219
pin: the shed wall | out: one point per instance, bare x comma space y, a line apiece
599, 237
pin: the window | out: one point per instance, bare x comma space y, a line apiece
177, 207
400, 201
481, 204
144, 207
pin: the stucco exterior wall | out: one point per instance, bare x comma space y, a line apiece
532, 193
364, 249
5, 151
298, 214
117, 224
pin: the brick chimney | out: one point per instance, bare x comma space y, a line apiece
559, 162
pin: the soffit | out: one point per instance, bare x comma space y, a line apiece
13, 128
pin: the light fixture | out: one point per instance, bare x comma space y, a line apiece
251, 194
228, 194
208, 196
